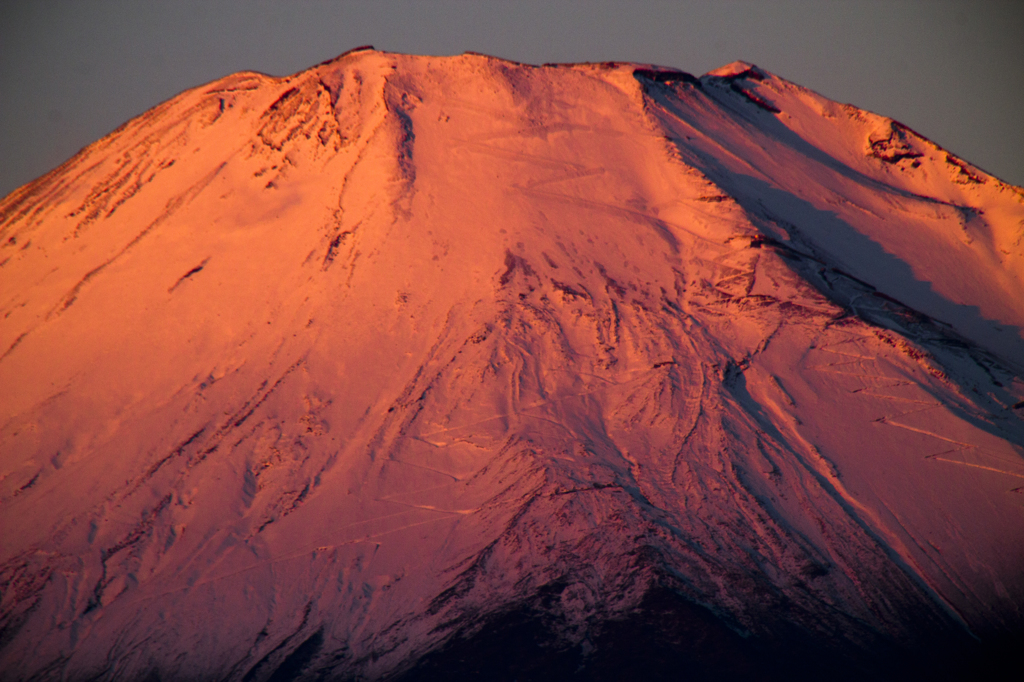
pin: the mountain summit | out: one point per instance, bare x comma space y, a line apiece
456, 368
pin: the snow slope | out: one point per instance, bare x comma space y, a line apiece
333, 374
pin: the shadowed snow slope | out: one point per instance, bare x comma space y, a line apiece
410, 367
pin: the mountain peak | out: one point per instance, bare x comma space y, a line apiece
739, 69
406, 364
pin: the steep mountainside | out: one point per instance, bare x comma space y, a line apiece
414, 367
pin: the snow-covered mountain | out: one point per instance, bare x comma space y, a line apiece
433, 368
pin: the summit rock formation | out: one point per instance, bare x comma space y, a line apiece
452, 368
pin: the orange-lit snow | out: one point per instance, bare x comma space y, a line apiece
391, 344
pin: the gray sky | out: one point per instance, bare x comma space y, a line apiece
72, 71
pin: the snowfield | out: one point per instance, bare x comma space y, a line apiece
440, 367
